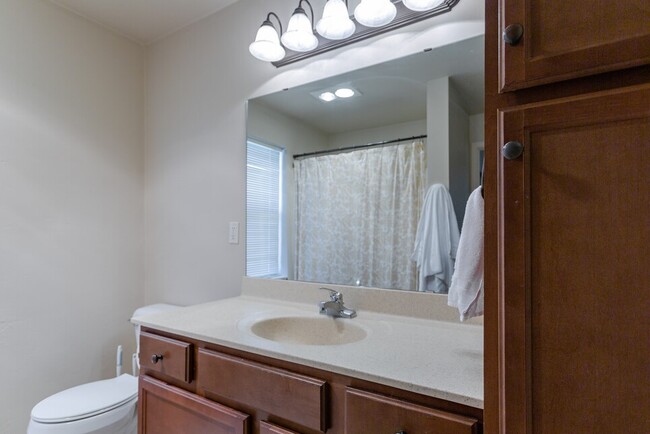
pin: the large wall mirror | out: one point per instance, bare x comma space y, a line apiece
336, 178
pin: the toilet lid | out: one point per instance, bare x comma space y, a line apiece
86, 400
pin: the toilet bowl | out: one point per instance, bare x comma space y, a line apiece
101, 407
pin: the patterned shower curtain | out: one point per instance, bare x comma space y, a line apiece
357, 214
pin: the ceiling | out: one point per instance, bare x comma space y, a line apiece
144, 21
392, 92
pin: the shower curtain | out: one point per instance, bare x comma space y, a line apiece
357, 215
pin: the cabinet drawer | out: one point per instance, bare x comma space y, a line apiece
170, 410
369, 413
166, 356
281, 393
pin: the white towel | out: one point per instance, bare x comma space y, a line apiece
436, 241
466, 292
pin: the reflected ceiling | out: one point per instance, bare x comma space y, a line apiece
392, 92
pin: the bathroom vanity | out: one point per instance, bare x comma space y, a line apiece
263, 365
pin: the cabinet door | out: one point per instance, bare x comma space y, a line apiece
575, 265
164, 409
564, 39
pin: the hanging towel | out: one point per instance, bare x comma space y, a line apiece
436, 241
466, 292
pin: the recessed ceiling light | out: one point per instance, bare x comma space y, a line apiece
344, 92
327, 96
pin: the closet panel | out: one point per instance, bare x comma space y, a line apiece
575, 231
567, 39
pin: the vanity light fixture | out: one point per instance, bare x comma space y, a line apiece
336, 23
336, 28
421, 5
267, 42
300, 34
375, 13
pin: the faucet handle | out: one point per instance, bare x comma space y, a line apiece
334, 295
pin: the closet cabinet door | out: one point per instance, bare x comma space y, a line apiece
564, 39
575, 236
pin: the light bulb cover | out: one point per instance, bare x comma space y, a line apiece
375, 13
344, 92
422, 5
335, 23
327, 96
267, 44
299, 35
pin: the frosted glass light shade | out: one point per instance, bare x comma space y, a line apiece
299, 35
327, 96
421, 5
336, 23
375, 13
344, 92
267, 45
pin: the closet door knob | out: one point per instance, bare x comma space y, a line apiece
512, 150
513, 33
155, 358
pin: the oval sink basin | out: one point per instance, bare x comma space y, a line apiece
309, 331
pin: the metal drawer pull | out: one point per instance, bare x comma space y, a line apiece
513, 33
512, 150
155, 358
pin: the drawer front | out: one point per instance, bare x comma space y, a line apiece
170, 410
269, 428
281, 393
166, 356
369, 413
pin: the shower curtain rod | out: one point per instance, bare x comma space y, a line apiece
350, 148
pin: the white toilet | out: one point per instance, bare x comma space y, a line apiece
101, 407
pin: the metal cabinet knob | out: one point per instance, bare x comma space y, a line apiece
400, 432
155, 358
512, 150
513, 33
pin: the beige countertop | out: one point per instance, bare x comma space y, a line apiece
439, 358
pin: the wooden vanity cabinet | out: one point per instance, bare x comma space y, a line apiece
567, 271
236, 392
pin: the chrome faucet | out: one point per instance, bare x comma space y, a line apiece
334, 307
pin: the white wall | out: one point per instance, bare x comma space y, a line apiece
295, 137
477, 141
438, 131
448, 146
372, 135
197, 84
71, 207
459, 154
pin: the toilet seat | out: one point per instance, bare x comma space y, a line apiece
86, 400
